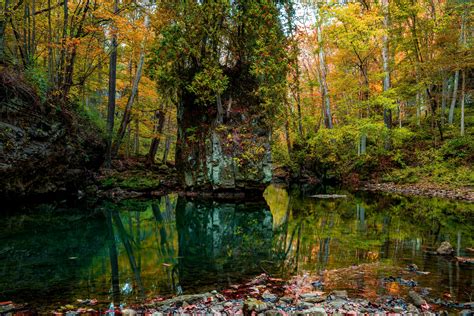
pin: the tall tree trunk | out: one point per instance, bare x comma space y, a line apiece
155, 143
112, 91
444, 99
167, 149
453, 100
387, 113
131, 99
463, 98
323, 73
419, 101
51, 65
3, 25
136, 142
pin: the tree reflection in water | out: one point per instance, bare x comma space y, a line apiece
126, 250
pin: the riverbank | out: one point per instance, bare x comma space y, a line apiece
263, 295
422, 189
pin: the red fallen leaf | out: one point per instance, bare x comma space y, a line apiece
6, 303
425, 307
228, 291
189, 307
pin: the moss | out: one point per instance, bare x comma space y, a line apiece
136, 181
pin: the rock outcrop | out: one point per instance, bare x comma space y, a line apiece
44, 148
223, 151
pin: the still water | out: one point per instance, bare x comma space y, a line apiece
52, 255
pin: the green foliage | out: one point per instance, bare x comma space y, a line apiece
208, 83
203, 52
38, 79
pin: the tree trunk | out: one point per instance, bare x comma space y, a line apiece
167, 149
453, 100
128, 107
136, 142
463, 98
419, 101
387, 113
324, 84
155, 143
3, 26
133, 93
444, 99
112, 91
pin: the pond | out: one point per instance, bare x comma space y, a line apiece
126, 251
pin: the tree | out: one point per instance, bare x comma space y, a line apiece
219, 55
112, 92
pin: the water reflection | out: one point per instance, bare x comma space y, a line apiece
394, 231
137, 248
221, 242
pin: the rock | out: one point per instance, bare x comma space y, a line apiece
417, 299
340, 294
398, 309
47, 150
267, 296
286, 299
179, 300
445, 248
218, 308
157, 314
412, 267
312, 297
305, 305
337, 303
128, 312
316, 311
255, 305
274, 312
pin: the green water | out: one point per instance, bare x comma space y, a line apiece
53, 255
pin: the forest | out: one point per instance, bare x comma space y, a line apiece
176, 118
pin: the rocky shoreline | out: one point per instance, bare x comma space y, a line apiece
263, 295
461, 194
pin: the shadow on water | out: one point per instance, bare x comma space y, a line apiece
140, 248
